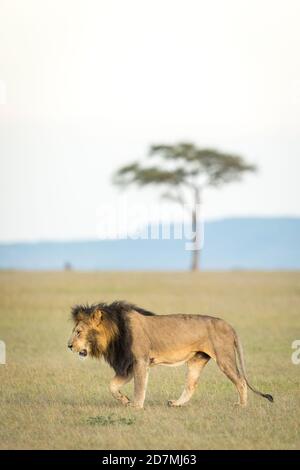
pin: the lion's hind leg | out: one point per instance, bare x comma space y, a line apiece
228, 365
195, 366
116, 383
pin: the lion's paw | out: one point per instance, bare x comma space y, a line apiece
239, 405
136, 406
125, 400
173, 403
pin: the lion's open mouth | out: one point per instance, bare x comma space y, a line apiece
83, 353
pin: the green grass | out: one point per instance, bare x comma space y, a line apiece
50, 399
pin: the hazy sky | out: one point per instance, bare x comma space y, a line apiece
87, 85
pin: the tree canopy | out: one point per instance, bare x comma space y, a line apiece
185, 165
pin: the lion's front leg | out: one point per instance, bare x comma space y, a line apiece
116, 383
140, 374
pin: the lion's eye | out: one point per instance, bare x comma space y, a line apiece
77, 333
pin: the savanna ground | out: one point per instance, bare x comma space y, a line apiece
50, 399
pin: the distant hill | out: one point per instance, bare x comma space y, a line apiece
241, 243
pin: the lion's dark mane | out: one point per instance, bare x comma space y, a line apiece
119, 352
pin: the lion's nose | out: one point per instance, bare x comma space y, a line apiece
70, 346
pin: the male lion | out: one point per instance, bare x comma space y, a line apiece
132, 339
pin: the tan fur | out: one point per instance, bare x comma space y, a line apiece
169, 340
173, 340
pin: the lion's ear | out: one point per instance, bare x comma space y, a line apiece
97, 315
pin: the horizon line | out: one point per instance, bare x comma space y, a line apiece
28, 241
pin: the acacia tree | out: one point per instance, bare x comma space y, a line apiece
184, 171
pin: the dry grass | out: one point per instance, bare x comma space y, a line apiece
49, 399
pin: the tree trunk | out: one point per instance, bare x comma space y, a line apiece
195, 265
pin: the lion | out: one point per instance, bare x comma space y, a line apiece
131, 340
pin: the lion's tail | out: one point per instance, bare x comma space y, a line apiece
240, 355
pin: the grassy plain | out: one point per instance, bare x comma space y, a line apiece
51, 400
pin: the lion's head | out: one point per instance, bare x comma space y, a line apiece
93, 331
104, 330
